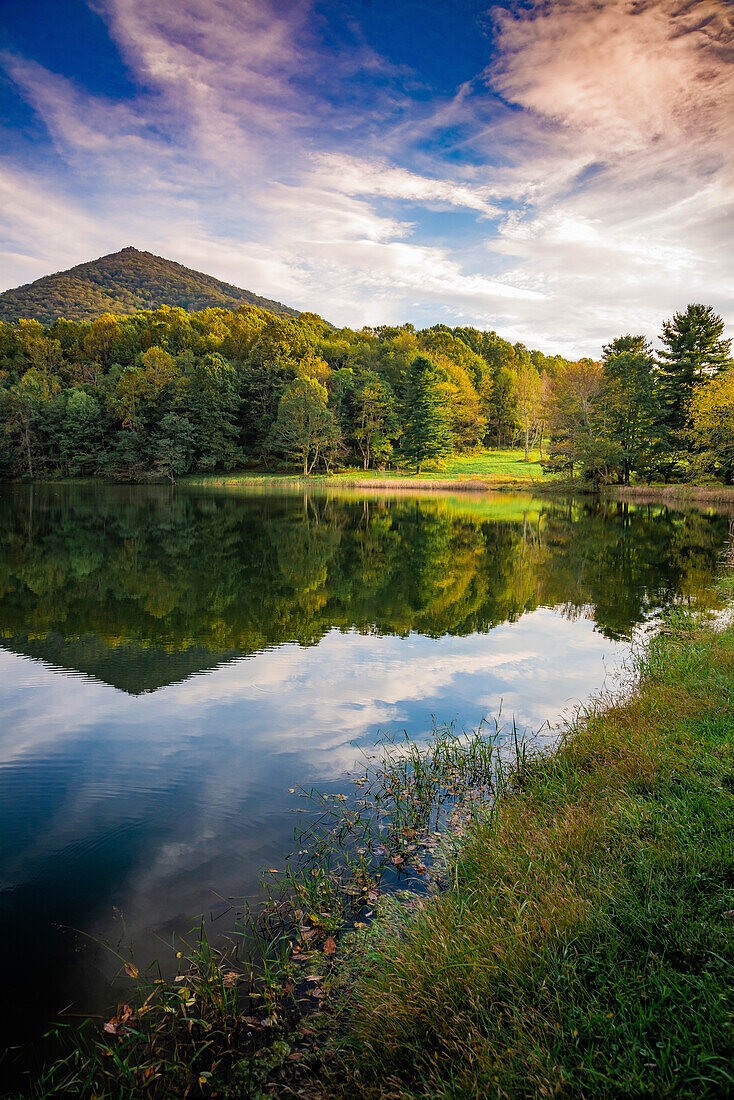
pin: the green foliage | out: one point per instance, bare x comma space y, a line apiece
305, 427
645, 415
426, 434
693, 350
628, 405
161, 393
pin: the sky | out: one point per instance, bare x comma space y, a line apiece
560, 171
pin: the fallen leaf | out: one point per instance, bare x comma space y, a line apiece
315, 978
397, 860
329, 945
131, 970
295, 1056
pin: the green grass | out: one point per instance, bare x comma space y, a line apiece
585, 947
481, 465
491, 466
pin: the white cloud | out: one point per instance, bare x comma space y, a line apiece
603, 196
354, 176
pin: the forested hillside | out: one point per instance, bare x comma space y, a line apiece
161, 393
164, 392
125, 282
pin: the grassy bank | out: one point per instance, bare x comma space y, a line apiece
586, 945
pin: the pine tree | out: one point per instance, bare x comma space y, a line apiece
427, 435
629, 405
694, 351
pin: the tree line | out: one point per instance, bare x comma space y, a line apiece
655, 416
162, 393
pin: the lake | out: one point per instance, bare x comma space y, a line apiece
173, 661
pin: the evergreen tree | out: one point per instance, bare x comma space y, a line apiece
693, 351
426, 435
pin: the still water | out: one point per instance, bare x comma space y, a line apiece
171, 663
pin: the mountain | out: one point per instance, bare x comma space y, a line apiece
124, 282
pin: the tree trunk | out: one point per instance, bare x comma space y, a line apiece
28, 448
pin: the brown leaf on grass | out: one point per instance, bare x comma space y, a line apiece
117, 1024
131, 970
329, 945
230, 979
315, 978
289, 986
397, 860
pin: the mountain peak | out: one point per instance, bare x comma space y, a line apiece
124, 282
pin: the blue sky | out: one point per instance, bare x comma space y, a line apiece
559, 170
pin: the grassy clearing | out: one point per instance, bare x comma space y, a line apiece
484, 465
501, 466
586, 945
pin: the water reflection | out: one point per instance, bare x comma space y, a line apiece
171, 664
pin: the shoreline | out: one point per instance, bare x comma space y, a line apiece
679, 493
584, 947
